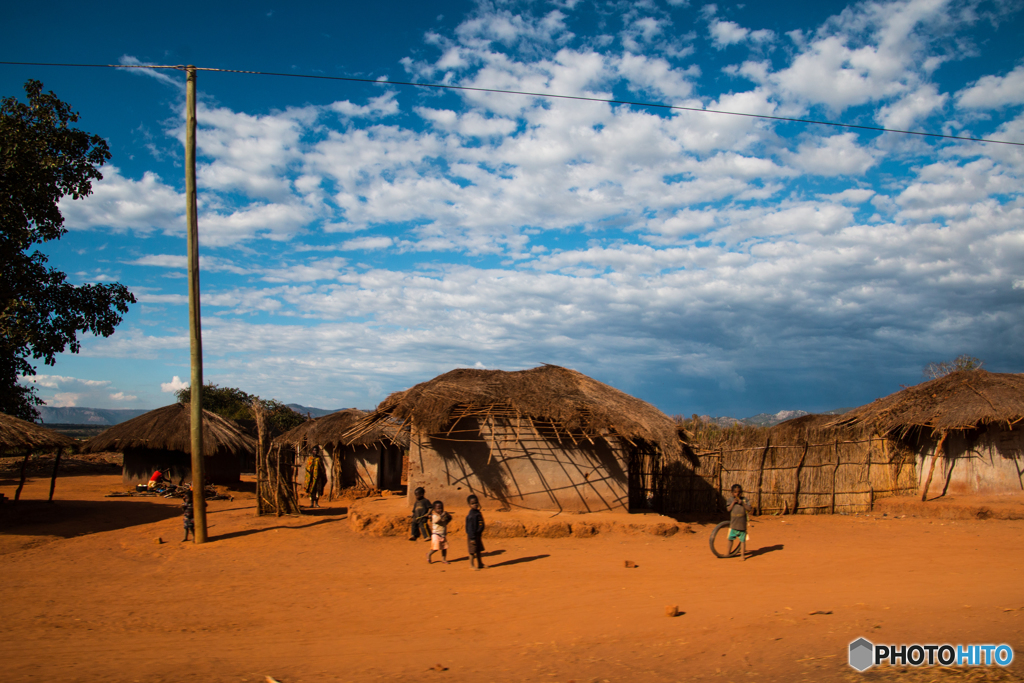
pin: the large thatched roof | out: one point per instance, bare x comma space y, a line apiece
961, 400
169, 428
572, 399
329, 431
19, 435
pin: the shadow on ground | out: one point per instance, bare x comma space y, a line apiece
249, 532
68, 518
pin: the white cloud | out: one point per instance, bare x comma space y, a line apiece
833, 156
991, 92
912, 107
175, 385
121, 396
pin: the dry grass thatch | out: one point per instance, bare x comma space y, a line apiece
329, 431
19, 435
169, 428
960, 400
573, 400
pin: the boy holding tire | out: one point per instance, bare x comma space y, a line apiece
738, 509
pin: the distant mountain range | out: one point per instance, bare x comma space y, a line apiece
86, 416
767, 419
312, 412
113, 416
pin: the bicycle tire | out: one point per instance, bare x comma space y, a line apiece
714, 535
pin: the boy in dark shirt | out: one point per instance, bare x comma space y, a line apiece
738, 509
420, 516
474, 532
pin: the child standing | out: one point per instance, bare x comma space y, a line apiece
738, 509
474, 532
420, 515
439, 520
188, 515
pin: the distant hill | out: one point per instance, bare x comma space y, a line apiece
312, 412
86, 416
768, 419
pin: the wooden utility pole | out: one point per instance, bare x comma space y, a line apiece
195, 332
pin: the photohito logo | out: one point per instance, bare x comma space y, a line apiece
864, 654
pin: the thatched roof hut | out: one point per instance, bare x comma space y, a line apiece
961, 400
329, 431
970, 420
569, 398
170, 428
548, 438
17, 435
164, 436
371, 460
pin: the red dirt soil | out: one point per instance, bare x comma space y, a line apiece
88, 594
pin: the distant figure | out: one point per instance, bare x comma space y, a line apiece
158, 478
189, 514
738, 509
316, 479
475, 531
420, 515
439, 520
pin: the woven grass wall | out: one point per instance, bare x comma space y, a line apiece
791, 468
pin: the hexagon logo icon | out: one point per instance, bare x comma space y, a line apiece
861, 651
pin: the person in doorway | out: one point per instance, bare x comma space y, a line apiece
474, 532
420, 515
738, 509
316, 478
439, 520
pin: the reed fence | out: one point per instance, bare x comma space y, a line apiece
828, 477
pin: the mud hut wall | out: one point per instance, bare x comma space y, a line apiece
360, 466
836, 475
986, 460
141, 463
516, 465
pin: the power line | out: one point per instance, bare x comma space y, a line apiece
444, 86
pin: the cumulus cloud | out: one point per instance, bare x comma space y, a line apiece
175, 385
994, 91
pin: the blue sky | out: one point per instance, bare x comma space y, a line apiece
358, 238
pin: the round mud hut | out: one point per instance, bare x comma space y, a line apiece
549, 438
373, 461
969, 422
162, 438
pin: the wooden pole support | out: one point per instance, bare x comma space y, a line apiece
21, 483
53, 477
931, 469
796, 489
195, 330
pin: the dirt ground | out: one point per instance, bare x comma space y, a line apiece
89, 594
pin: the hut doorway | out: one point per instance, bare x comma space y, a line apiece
389, 476
644, 474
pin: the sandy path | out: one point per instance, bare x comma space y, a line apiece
309, 600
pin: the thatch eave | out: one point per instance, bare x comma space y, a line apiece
549, 393
17, 435
170, 428
960, 401
331, 431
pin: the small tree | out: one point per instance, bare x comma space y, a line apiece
236, 404
961, 362
42, 160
